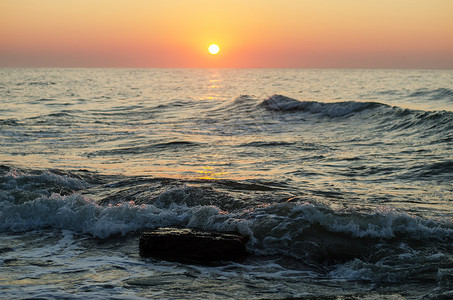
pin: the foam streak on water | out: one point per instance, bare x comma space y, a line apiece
341, 178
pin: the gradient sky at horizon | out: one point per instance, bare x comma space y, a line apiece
250, 33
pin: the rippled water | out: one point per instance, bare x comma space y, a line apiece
342, 179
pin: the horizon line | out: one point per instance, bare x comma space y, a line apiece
230, 68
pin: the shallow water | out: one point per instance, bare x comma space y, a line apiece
342, 179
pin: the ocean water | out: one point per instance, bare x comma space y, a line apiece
341, 178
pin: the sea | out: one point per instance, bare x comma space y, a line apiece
341, 178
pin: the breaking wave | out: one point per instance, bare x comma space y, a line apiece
376, 246
298, 229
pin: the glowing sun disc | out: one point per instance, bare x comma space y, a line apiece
214, 49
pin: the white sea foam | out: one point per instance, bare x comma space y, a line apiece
384, 223
15, 179
81, 214
354, 270
278, 222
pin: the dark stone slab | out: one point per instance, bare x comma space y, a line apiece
188, 245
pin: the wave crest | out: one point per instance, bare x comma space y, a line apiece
332, 110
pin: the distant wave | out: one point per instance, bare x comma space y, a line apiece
386, 117
151, 148
436, 94
332, 110
9, 122
36, 83
426, 123
441, 169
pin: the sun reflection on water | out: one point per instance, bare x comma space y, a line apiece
214, 85
211, 173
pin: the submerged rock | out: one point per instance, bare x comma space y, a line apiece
190, 245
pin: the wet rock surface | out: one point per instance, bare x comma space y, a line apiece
188, 245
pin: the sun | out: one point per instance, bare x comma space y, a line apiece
214, 49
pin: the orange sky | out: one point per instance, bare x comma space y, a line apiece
250, 33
